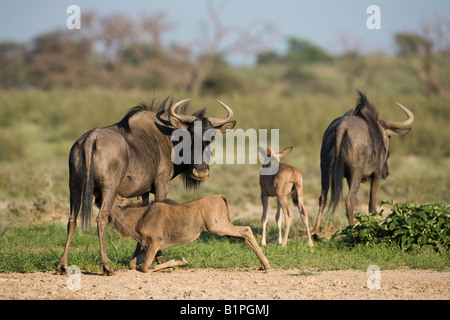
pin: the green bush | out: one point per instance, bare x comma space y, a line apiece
409, 226
222, 80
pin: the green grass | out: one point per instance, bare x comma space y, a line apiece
39, 249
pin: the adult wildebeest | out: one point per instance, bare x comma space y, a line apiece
287, 181
355, 146
132, 158
165, 224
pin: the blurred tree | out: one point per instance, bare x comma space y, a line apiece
57, 59
412, 46
302, 51
267, 57
13, 72
137, 53
220, 40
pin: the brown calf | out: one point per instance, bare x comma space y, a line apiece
287, 181
163, 225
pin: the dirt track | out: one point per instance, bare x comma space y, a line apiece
228, 284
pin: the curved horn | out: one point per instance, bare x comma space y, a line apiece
404, 124
215, 121
185, 118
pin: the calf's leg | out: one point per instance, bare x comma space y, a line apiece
265, 202
150, 257
243, 233
282, 200
278, 221
304, 216
136, 256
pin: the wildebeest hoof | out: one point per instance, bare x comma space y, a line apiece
61, 270
107, 270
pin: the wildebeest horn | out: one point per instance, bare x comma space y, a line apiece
182, 117
404, 124
216, 121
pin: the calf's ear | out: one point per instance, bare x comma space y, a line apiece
286, 151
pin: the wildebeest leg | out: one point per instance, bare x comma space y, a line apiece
161, 190
287, 218
134, 261
351, 202
278, 221
145, 199
149, 256
168, 264
108, 198
322, 203
304, 216
75, 203
243, 233
265, 202
374, 184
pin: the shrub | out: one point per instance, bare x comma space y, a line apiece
409, 226
222, 81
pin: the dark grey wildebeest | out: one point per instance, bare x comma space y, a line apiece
133, 158
355, 146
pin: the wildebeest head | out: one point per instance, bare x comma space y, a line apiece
201, 131
380, 129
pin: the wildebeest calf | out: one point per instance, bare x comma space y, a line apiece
286, 182
162, 225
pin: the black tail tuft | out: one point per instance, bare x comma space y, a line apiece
334, 146
88, 183
336, 179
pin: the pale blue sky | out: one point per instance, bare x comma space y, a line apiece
321, 21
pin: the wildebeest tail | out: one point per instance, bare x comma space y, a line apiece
332, 164
88, 182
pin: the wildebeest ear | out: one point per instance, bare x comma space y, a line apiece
226, 126
390, 131
286, 151
177, 123
397, 132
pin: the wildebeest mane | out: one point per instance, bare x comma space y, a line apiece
159, 107
369, 114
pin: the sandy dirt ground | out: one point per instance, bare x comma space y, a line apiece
229, 284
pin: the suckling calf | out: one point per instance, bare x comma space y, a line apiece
162, 225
